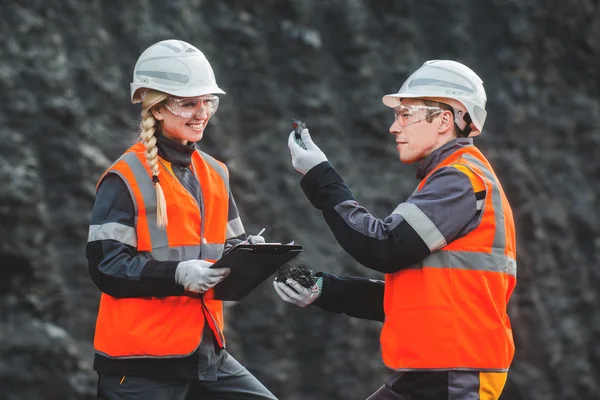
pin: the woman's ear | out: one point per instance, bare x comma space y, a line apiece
157, 112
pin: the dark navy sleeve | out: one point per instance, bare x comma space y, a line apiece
353, 296
235, 228
114, 264
444, 209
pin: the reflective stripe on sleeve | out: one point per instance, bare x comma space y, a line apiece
113, 231
235, 228
424, 227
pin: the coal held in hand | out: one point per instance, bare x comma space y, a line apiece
303, 276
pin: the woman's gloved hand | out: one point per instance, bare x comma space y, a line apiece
252, 239
197, 276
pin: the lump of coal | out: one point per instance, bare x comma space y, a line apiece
303, 276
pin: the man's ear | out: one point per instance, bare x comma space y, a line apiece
446, 122
157, 112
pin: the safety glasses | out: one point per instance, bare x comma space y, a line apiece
188, 107
408, 115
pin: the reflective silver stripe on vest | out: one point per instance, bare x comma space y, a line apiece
113, 231
424, 227
497, 261
175, 253
217, 167
159, 241
500, 233
212, 251
158, 236
135, 205
161, 251
235, 228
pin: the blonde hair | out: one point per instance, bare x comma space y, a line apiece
148, 126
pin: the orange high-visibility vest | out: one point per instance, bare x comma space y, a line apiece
171, 326
450, 311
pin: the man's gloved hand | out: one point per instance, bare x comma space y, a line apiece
294, 293
197, 276
304, 160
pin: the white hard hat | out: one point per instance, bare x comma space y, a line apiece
174, 67
446, 79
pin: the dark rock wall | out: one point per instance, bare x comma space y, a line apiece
65, 68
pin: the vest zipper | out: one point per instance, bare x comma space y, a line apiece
213, 325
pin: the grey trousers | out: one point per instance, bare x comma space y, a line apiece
233, 382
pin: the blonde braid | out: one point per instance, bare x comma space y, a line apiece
147, 130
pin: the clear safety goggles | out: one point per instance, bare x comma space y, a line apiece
408, 115
188, 107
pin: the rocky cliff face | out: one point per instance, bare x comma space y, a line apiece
65, 68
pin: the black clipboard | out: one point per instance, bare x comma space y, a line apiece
250, 265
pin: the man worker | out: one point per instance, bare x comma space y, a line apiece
448, 252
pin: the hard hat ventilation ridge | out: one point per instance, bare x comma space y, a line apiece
169, 76
170, 46
437, 82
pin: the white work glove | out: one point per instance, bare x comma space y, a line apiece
298, 294
255, 239
197, 276
251, 239
305, 159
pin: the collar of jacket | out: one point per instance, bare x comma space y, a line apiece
438, 155
176, 153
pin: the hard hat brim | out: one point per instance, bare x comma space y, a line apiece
393, 100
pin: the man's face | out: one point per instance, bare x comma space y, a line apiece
416, 138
